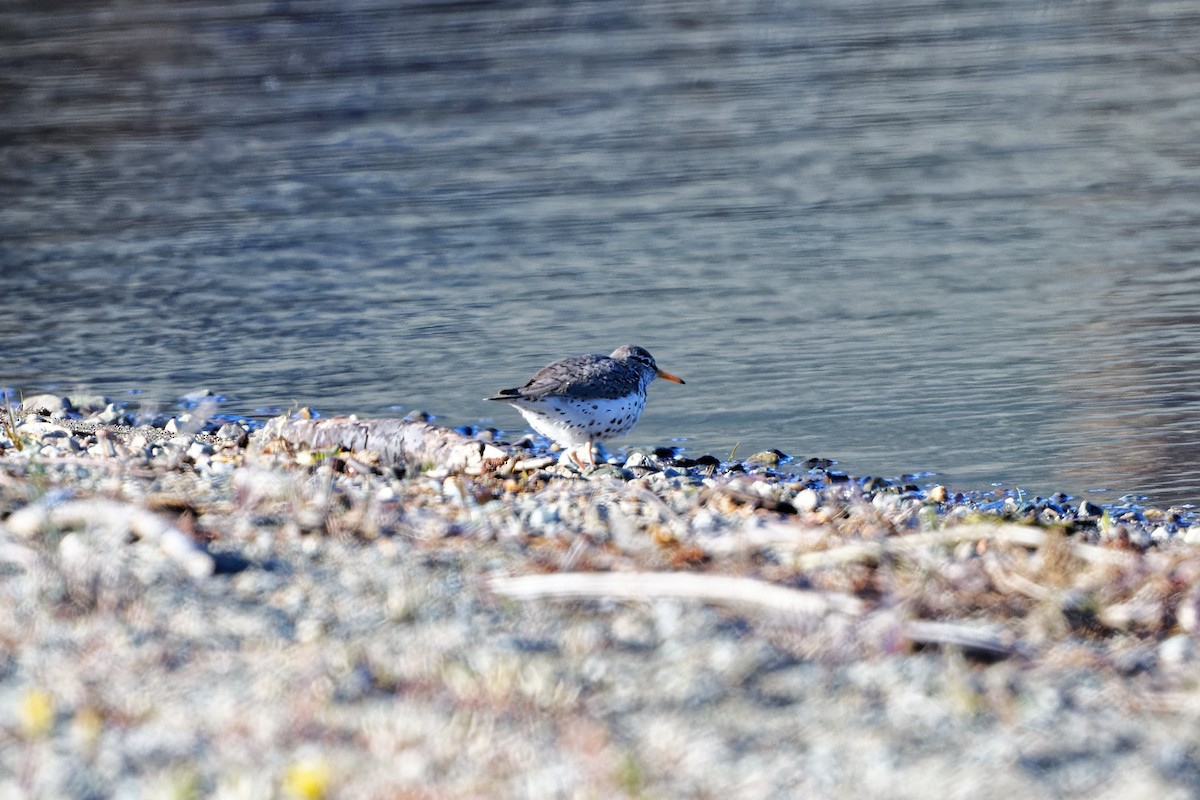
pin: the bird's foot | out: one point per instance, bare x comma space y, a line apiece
572, 458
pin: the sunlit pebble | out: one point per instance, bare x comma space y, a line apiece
806, 500
1177, 650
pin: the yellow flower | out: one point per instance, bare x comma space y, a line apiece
36, 713
307, 780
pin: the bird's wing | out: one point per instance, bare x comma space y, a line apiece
576, 376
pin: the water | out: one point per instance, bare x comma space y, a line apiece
924, 236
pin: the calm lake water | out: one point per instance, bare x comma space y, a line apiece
916, 236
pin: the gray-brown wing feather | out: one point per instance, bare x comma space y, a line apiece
592, 375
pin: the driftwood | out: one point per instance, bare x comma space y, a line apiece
719, 589
986, 640
871, 552
412, 443
113, 519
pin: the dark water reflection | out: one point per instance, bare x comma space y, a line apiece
920, 236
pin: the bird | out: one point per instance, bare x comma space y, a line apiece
580, 400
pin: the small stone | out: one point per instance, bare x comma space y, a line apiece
111, 415
639, 461
198, 450
232, 432
885, 502
806, 500
45, 404
767, 458
45, 431
1139, 538
172, 426
608, 471
1177, 650
309, 630
875, 484
88, 403
543, 516
1089, 510
633, 629
937, 494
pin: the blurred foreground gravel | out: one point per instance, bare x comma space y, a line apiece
208, 614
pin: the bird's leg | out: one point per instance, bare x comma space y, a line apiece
573, 454
592, 452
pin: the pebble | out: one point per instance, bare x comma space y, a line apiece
608, 472
198, 450
233, 432
45, 404
111, 415
543, 516
806, 500
88, 404
767, 458
633, 629
1178, 650
639, 461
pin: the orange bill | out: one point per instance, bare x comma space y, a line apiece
668, 376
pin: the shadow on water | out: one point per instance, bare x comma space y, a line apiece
951, 237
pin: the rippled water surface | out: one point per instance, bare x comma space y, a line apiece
954, 237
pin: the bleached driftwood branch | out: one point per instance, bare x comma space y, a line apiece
114, 518
719, 589
870, 552
397, 441
990, 640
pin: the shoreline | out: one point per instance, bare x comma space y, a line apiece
234, 614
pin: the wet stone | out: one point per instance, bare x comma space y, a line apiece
608, 472
875, 484
767, 458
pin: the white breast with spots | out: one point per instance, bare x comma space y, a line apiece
572, 421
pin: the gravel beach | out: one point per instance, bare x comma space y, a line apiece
193, 609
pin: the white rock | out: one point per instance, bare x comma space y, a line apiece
806, 500
44, 404
1177, 650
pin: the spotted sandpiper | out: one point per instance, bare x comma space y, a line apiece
579, 400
